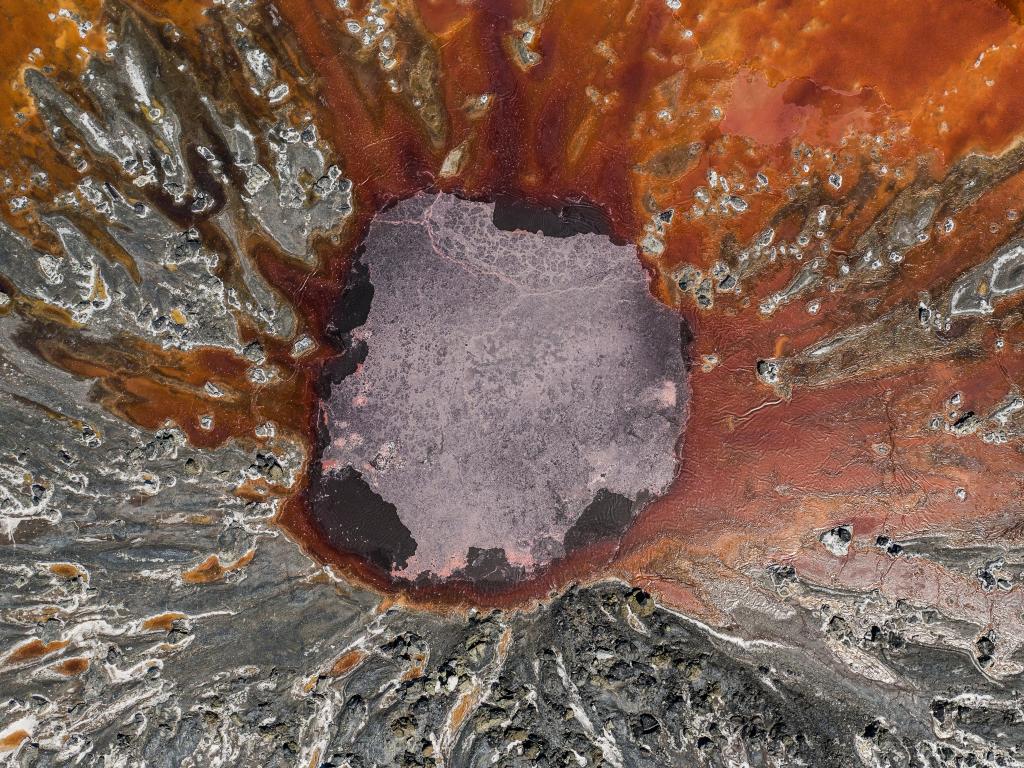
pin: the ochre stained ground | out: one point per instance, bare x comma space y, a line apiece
628, 105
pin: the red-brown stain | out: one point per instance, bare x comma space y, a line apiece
346, 663
464, 707
213, 569
67, 571
163, 622
72, 667
33, 649
757, 477
416, 669
13, 740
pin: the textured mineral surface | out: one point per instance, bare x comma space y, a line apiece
515, 389
415, 383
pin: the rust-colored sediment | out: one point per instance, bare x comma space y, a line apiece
14, 739
72, 667
214, 569
67, 571
33, 649
346, 663
163, 622
629, 105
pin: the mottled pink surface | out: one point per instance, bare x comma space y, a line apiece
510, 377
